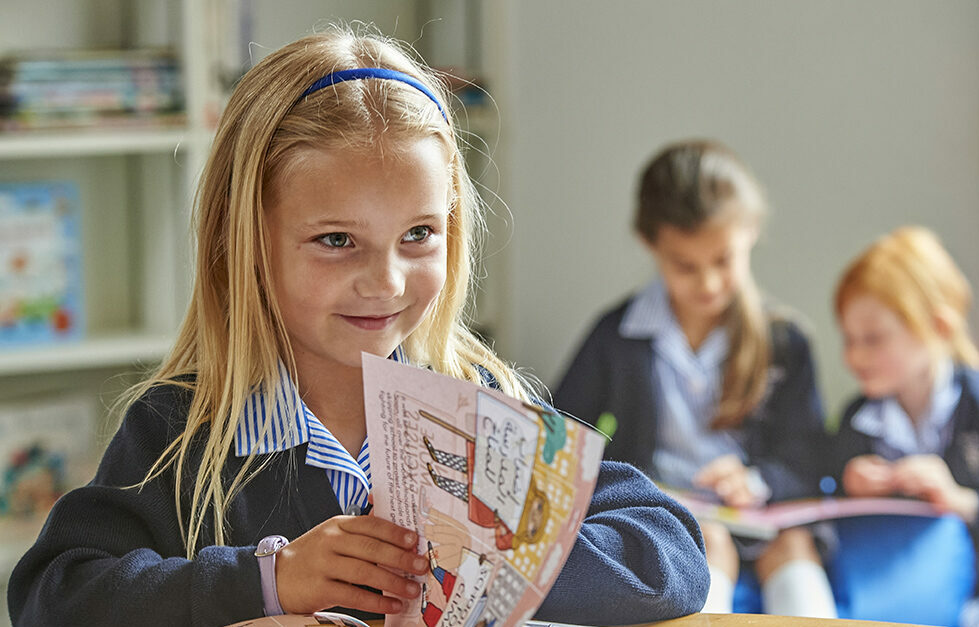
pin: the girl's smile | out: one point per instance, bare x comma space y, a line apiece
371, 323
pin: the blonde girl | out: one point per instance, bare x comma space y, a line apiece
334, 217
706, 388
902, 306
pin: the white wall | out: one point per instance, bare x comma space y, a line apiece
858, 116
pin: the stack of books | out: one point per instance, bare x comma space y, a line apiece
89, 88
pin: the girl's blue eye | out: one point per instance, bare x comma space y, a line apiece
417, 234
336, 240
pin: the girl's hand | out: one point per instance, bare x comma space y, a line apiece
927, 477
868, 475
324, 567
729, 479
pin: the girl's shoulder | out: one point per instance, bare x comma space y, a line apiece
159, 414
168, 402
611, 317
788, 331
969, 378
850, 409
151, 423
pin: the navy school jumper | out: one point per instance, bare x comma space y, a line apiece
783, 437
961, 454
114, 556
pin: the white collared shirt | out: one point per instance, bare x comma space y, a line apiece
291, 423
689, 386
896, 435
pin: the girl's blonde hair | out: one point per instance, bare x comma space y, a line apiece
686, 185
911, 273
233, 338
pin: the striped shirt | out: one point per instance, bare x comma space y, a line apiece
896, 435
689, 386
277, 420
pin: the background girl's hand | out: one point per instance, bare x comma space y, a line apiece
324, 567
927, 477
868, 475
729, 479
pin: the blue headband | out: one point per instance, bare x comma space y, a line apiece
373, 72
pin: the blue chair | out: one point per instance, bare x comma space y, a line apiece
905, 569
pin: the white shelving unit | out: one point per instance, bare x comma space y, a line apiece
136, 186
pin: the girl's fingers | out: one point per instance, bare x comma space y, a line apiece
718, 469
350, 596
374, 551
381, 529
361, 573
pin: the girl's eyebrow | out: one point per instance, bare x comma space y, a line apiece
333, 223
347, 224
427, 217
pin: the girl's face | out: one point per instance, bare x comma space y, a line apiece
880, 350
358, 250
704, 269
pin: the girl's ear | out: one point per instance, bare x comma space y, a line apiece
943, 321
753, 228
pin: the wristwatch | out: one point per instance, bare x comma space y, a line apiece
267, 548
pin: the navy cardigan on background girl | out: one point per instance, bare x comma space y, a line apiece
961, 454
783, 438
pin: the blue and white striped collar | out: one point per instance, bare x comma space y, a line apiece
276, 420
887, 420
650, 315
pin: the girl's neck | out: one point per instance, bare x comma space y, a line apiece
915, 398
336, 398
696, 329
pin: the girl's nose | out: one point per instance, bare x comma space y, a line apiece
711, 281
382, 278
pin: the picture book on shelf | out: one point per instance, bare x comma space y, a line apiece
41, 298
765, 522
496, 489
46, 449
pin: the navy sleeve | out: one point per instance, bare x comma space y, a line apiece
789, 438
112, 555
582, 390
639, 557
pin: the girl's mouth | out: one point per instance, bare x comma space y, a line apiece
371, 323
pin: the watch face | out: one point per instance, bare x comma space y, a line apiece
269, 545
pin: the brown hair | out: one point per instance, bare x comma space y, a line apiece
911, 273
686, 185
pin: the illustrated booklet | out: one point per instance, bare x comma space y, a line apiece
496, 488
765, 522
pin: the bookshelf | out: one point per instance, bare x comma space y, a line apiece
135, 183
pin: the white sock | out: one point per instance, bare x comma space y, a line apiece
720, 597
799, 588
969, 616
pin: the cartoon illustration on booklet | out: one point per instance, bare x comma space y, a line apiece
496, 489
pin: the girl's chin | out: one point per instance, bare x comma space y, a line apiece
875, 392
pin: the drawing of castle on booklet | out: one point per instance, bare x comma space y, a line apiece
496, 489
766, 522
